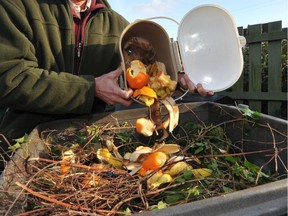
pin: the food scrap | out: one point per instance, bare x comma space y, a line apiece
106, 165
136, 75
158, 163
152, 86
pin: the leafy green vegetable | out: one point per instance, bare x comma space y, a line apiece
248, 112
18, 143
160, 205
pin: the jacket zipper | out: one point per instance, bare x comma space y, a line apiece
78, 43
79, 35
79, 49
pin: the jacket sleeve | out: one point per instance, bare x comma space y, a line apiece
27, 87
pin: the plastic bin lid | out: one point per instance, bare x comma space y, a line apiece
210, 47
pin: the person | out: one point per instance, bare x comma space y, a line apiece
59, 59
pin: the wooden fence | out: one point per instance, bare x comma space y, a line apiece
263, 83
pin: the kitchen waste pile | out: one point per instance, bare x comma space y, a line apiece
127, 168
109, 169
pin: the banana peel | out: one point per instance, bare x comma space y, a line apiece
178, 168
140, 150
153, 179
165, 178
103, 154
168, 148
148, 126
162, 87
68, 157
201, 172
173, 110
157, 179
111, 147
134, 161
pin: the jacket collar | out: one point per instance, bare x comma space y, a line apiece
77, 8
90, 6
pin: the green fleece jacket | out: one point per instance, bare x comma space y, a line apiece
37, 45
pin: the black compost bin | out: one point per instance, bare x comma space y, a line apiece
268, 133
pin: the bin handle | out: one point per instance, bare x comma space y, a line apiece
162, 17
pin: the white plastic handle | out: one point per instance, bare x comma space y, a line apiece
242, 41
162, 17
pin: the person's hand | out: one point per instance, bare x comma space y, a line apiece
187, 84
108, 90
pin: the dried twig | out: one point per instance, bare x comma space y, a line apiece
90, 190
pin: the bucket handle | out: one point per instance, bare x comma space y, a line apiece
162, 17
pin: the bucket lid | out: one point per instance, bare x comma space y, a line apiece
210, 47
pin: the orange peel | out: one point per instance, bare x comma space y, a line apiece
146, 95
145, 91
154, 161
136, 75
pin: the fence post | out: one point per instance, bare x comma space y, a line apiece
274, 67
263, 86
255, 67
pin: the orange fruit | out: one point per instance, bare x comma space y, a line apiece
136, 75
154, 161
